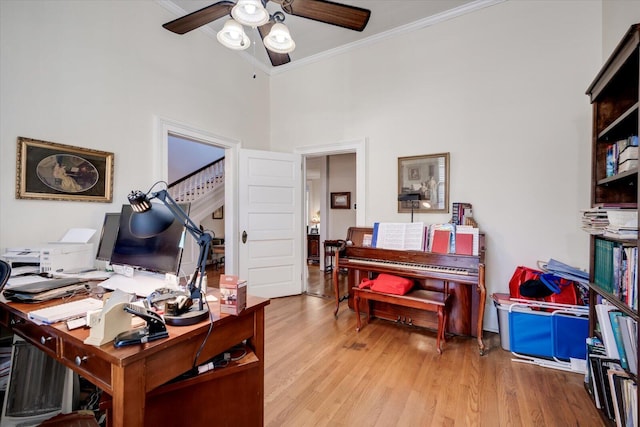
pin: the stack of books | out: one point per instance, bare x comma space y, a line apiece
460, 212
622, 156
611, 217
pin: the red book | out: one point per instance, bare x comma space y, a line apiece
464, 244
441, 241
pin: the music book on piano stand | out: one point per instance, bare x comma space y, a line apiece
469, 237
394, 235
441, 240
464, 244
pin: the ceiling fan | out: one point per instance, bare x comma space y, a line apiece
270, 26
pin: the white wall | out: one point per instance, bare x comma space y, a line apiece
617, 17
342, 178
96, 74
501, 89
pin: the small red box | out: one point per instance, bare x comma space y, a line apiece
233, 294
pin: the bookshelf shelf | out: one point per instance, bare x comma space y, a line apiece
614, 98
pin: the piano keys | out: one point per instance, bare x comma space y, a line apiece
462, 276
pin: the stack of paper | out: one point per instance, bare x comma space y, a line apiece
594, 220
623, 224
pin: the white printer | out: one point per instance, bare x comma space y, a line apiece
56, 257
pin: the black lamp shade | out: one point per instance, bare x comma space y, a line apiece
405, 197
151, 222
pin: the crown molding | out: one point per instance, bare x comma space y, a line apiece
376, 38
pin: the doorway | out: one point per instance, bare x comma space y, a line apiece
333, 224
167, 129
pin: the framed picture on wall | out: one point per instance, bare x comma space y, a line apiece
426, 177
50, 171
341, 200
218, 213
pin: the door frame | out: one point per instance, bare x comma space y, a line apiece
164, 127
358, 147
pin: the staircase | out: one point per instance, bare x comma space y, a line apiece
204, 189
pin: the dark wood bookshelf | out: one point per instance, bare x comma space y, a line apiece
614, 99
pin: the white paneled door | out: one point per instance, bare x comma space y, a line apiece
270, 215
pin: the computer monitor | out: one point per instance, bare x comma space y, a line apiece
108, 236
161, 253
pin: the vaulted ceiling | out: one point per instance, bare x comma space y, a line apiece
315, 40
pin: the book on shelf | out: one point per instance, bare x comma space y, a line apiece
460, 211
628, 329
603, 264
619, 383
617, 337
599, 367
594, 348
602, 313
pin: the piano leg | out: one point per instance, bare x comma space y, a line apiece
483, 296
336, 287
356, 302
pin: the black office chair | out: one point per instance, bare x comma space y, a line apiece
5, 273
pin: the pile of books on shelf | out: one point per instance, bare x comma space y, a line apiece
616, 270
622, 156
617, 220
612, 366
462, 214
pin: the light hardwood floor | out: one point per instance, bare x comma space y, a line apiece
320, 372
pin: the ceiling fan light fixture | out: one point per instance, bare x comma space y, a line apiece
279, 39
233, 36
250, 12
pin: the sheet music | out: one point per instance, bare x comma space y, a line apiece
404, 236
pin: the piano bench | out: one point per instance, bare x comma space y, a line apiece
421, 299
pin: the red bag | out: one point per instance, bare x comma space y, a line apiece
521, 275
388, 284
563, 291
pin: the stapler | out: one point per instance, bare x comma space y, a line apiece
154, 330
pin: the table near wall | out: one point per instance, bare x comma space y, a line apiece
137, 377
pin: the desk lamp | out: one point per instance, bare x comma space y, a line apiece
149, 219
410, 197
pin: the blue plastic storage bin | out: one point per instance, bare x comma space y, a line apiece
556, 334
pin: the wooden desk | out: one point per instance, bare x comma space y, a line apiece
134, 376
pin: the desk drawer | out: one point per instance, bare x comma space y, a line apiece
42, 337
88, 364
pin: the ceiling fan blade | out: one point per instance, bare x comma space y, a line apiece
342, 15
200, 17
275, 58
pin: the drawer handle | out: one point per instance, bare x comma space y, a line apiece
43, 340
79, 360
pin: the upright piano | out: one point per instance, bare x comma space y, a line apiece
462, 276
